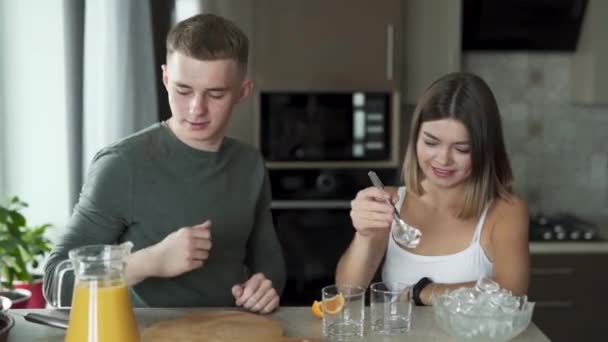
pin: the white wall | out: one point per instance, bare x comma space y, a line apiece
33, 83
2, 108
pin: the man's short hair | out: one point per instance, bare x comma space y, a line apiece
209, 37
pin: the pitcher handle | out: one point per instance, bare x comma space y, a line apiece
56, 284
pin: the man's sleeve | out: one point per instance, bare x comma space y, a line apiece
264, 253
101, 215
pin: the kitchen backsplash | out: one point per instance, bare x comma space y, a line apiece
559, 150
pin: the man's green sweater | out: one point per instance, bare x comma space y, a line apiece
150, 184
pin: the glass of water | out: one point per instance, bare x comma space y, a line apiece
391, 308
343, 312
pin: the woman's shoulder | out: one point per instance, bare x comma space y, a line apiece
510, 205
510, 216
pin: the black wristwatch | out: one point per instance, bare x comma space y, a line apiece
417, 289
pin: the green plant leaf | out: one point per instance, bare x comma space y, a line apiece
17, 203
10, 277
6, 284
17, 218
20, 245
3, 214
5, 245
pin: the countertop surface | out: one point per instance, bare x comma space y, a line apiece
296, 322
568, 247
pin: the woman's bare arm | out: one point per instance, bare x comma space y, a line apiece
372, 215
359, 263
510, 252
510, 249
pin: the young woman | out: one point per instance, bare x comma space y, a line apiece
457, 192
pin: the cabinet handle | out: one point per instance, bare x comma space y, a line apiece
390, 33
554, 304
305, 205
552, 271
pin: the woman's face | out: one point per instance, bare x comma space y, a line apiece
444, 152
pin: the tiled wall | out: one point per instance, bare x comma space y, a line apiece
559, 150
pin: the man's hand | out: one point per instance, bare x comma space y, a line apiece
256, 294
183, 250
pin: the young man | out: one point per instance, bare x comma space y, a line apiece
196, 204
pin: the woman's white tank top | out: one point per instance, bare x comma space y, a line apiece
467, 265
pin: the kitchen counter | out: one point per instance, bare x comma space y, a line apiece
296, 321
552, 247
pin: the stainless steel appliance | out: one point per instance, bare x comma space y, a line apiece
329, 129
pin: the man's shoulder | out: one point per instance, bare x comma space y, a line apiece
244, 160
140, 139
244, 150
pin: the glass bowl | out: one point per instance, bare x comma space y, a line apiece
481, 325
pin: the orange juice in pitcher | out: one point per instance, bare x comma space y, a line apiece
101, 307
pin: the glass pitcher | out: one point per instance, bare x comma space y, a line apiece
101, 306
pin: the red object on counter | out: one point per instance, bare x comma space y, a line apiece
37, 300
18, 297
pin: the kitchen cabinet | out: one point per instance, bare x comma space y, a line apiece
327, 45
431, 43
590, 61
570, 295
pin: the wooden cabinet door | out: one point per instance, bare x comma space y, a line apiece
569, 291
326, 45
431, 44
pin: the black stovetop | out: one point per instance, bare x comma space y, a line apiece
562, 227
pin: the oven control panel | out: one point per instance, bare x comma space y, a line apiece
325, 184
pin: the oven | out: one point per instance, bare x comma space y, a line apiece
311, 211
318, 147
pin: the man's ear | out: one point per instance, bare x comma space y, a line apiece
246, 88
165, 76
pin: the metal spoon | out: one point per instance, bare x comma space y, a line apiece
405, 234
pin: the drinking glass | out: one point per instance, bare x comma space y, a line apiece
343, 322
391, 308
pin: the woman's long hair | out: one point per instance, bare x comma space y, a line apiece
467, 98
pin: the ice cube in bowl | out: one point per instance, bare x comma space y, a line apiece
477, 315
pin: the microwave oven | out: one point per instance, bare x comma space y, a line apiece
329, 129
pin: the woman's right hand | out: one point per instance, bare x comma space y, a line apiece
371, 212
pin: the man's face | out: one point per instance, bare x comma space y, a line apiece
201, 96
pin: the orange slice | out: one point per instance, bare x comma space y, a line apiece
332, 305
317, 309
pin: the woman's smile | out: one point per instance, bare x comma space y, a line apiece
442, 173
